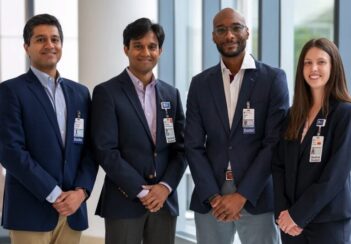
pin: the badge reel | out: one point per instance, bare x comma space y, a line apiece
168, 123
248, 119
78, 132
317, 143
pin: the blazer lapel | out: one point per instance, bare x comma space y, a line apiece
39, 91
132, 95
312, 131
244, 96
71, 114
160, 134
217, 89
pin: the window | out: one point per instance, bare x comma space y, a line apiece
309, 19
66, 11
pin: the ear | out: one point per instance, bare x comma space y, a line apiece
125, 48
161, 51
26, 46
247, 33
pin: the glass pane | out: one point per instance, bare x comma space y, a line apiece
249, 8
312, 19
188, 36
188, 62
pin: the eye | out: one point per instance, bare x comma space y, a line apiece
153, 47
237, 28
322, 62
221, 30
40, 39
137, 46
307, 62
55, 40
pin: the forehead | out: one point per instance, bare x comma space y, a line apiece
50, 30
149, 38
316, 52
228, 17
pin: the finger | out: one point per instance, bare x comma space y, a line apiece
147, 187
221, 217
152, 205
218, 210
220, 214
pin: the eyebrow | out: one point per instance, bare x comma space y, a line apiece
42, 35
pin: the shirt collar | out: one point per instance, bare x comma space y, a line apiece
44, 78
248, 63
138, 83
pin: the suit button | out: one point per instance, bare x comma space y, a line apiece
151, 176
155, 155
230, 147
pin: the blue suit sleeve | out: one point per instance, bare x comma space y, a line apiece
104, 130
195, 138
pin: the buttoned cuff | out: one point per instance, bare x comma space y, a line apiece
55, 193
143, 193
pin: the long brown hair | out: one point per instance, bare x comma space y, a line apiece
336, 87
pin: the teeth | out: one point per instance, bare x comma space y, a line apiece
314, 76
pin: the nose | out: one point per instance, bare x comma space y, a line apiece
49, 44
229, 34
314, 66
145, 51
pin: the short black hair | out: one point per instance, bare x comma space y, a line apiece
139, 28
40, 19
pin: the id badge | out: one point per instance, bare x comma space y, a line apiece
316, 149
169, 130
249, 121
78, 133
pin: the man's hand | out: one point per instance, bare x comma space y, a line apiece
156, 197
287, 224
68, 202
228, 207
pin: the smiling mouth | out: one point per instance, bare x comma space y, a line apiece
314, 77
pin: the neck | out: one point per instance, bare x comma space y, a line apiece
143, 77
318, 97
234, 63
51, 72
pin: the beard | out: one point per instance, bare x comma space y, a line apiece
230, 54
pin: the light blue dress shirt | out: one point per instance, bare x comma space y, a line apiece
55, 93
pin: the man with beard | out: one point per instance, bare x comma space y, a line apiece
234, 113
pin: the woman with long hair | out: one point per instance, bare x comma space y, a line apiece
312, 163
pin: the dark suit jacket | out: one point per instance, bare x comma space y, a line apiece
33, 154
210, 143
124, 148
316, 192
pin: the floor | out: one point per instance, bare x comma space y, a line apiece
86, 240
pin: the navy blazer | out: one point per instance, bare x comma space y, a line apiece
316, 192
210, 143
33, 154
124, 148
